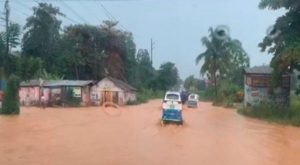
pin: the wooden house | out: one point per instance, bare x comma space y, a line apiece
120, 91
257, 83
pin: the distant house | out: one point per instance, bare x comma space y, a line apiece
119, 91
29, 92
257, 82
55, 92
295, 80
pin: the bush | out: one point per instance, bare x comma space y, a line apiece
271, 111
11, 94
207, 95
227, 94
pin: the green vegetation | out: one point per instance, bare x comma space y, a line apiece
10, 101
224, 60
283, 41
228, 94
273, 112
146, 94
70, 100
80, 51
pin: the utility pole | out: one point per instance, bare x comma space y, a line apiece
6, 20
151, 51
7, 11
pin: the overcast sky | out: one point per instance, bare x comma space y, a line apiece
176, 26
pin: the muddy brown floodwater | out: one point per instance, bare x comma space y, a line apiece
133, 136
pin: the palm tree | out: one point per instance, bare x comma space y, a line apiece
215, 58
12, 36
224, 58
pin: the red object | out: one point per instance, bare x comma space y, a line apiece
1, 95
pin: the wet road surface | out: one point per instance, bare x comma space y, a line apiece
133, 136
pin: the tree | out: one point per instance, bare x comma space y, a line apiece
120, 51
215, 58
10, 101
7, 65
223, 59
144, 71
91, 52
283, 41
83, 53
28, 67
42, 37
191, 84
239, 60
167, 76
13, 33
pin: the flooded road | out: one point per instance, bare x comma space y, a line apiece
133, 136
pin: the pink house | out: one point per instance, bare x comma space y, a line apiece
29, 92
54, 92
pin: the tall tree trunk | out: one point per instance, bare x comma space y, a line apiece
76, 71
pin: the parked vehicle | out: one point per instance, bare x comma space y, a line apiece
193, 101
172, 108
1, 98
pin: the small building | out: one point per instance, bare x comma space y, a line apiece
120, 91
29, 92
55, 92
67, 92
257, 82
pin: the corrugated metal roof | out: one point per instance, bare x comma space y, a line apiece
121, 84
259, 70
56, 83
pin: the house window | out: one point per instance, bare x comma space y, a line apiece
261, 81
77, 92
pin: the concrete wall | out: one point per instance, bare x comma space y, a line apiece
29, 95
254, 95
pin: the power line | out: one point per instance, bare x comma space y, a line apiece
68, 18
92, 13
73, 11
20, 2
108, 13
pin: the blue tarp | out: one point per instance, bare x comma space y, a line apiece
2, 85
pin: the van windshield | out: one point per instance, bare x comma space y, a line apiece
192, 97
172, 97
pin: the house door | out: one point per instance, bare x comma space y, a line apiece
107, 97
116, 97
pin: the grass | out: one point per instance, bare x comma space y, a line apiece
273, 112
